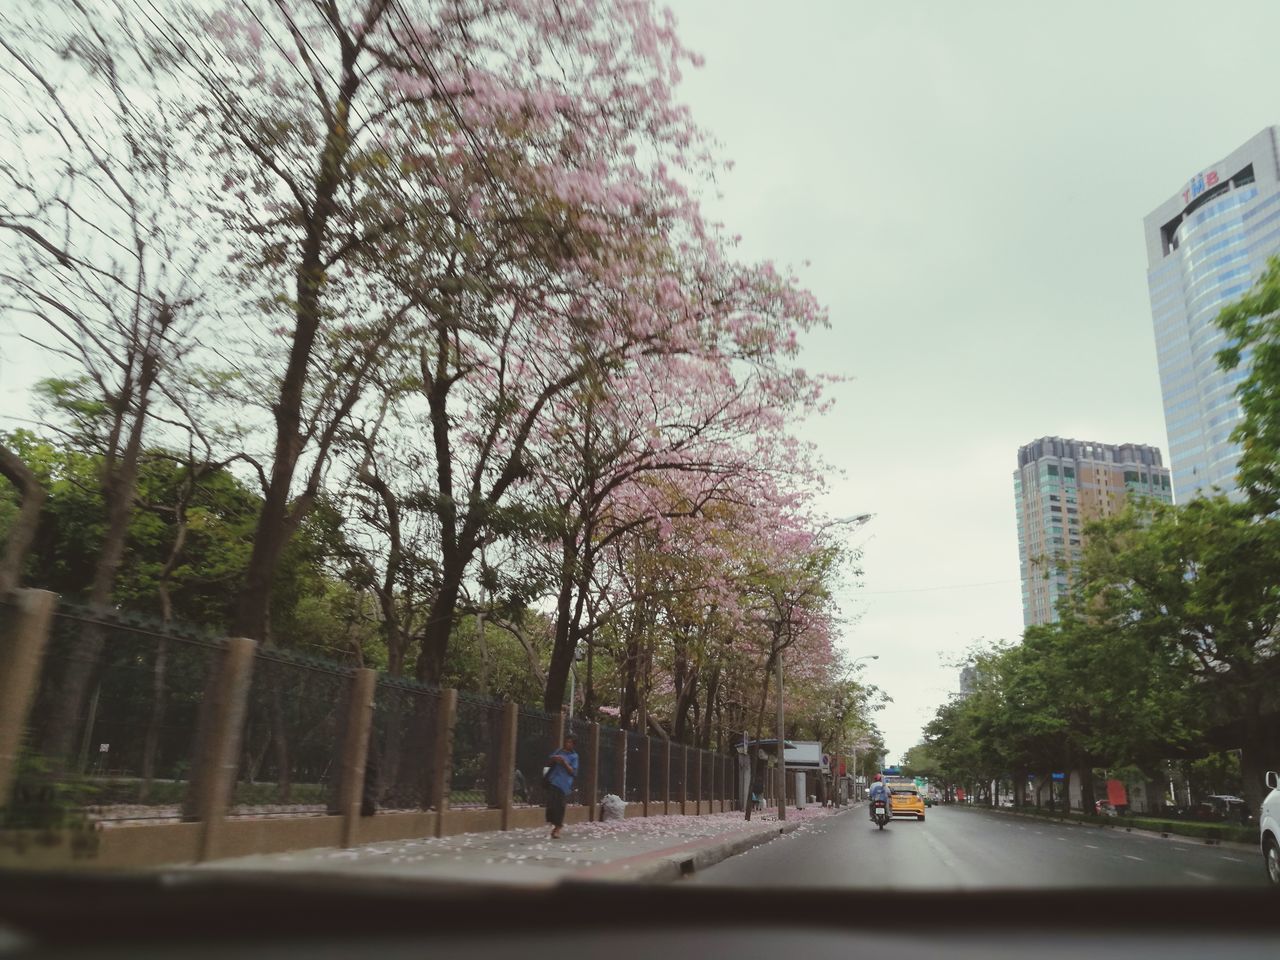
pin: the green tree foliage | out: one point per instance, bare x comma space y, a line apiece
1252, 326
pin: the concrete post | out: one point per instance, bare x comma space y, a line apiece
507, 761
355, 751
620, 778
222, 722
446, 719
666, 777
22, 648
646, 767
593, 772
697, 780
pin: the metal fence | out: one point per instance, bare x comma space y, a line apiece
633, 790
476, 736
112, 727
536, 736
125, 715
293, 730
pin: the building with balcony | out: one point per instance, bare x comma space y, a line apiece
1059, 486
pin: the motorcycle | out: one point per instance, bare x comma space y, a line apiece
880, 813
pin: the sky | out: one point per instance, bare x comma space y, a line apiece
969, 182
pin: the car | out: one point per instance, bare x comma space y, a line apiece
905, 800
1221, 806
1269, 835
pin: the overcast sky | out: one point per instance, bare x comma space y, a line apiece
969, 181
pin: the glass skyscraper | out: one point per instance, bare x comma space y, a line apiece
1206, 245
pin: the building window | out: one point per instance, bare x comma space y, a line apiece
1069, 472
1053, 469
1054, 508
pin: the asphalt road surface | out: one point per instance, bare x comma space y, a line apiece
967, 848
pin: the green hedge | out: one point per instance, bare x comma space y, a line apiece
1181, 828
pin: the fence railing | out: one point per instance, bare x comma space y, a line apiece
109, 720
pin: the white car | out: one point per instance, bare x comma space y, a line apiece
1269, 817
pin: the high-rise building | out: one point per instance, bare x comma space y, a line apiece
1060, 485
1206, 245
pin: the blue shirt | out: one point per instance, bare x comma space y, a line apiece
879, 794
561, 778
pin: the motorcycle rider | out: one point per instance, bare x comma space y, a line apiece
879, 791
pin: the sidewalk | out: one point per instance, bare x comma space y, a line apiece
653, 849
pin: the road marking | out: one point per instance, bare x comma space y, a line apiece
1059, 838
1198, 876
1091, 846
1233, 859
1130, 856
1182, 849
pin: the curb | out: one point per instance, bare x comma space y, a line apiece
665, 866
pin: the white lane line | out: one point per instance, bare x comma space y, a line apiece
1198, 876
1233, 859
1182, 849
1130, 856
1059, 838
1091, 846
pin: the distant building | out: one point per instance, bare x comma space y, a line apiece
1059, 486
1206, 246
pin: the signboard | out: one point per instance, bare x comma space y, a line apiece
1117, 796
1199, 184
826, 762
1059, 777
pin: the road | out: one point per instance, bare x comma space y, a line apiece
968, 848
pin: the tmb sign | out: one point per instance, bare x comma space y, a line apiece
1199, 184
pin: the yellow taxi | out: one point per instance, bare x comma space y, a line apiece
905, 800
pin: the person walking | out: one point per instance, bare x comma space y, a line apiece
562, 770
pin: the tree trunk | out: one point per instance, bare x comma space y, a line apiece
23, 531
435, 636
564, 637
119, 482
276, 523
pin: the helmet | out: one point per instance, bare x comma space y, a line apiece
877, 777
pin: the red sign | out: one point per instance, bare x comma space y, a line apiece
1116, 794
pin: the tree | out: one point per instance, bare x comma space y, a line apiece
1198, 584
1252, 327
